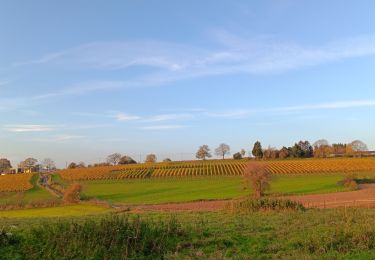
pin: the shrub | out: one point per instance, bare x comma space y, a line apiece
72, 193
349, 182
257, 175
254, 205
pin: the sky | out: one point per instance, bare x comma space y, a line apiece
82, 79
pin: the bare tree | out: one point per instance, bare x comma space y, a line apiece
114, 158
321, 142
203, 152
243, 152
222, 150
257, 176
359, 146
150, 158
48, 164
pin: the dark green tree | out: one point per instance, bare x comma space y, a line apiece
257, 150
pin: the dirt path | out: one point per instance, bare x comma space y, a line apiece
365, 197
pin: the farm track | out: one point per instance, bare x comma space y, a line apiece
365, 197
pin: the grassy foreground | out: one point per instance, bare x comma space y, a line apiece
165, 190
313, 234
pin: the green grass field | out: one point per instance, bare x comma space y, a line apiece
60, 211
313, 234
202, 188
34, 195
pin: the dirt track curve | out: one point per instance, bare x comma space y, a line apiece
364, 197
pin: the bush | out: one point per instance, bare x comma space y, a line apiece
257, 175
255, 205
349, 182
72, 193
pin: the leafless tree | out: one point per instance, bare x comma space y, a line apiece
150, 158
114, 158
203, 152
222, 150
257, 176
359, 146
48, 164
321, 142
243, 152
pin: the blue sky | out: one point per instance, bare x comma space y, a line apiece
82, 79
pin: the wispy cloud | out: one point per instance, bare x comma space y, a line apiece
162, 127
169, 117
58, 138
167, 62
126, 117
29, 128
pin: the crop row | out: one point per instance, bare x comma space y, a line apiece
15, 182
217, 168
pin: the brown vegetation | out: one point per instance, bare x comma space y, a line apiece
72, 193
257, 176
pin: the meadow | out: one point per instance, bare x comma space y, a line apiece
165, 190
311, 234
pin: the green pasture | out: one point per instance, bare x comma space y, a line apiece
52, 212
164, 190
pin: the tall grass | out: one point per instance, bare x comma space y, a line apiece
110, 238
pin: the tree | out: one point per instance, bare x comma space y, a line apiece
359, 146
72, 165
257, 175
81, 165
270, 153
283, 153
150, 158
4, 165
126, 160
307, 149
48, 164
237, 156
114, 158
297, 151
203, 152
321, 142
167, 160
222, 150
257, 150
243, 152
28, 163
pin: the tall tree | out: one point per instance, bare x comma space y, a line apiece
222, 150
4, 165
150, 158
257, 150
203, 152
283, 153
114, 158
127, 160
243, 152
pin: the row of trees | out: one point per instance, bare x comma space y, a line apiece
303, 149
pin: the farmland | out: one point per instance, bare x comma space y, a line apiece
218, 168
15, 182
163, 190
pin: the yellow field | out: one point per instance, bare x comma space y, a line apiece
219, 167
15, 182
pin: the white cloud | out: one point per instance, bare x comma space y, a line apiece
162, 127
125, 117
169, 117
58, 138
29, 128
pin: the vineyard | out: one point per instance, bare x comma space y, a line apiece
15, 182
218, 168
